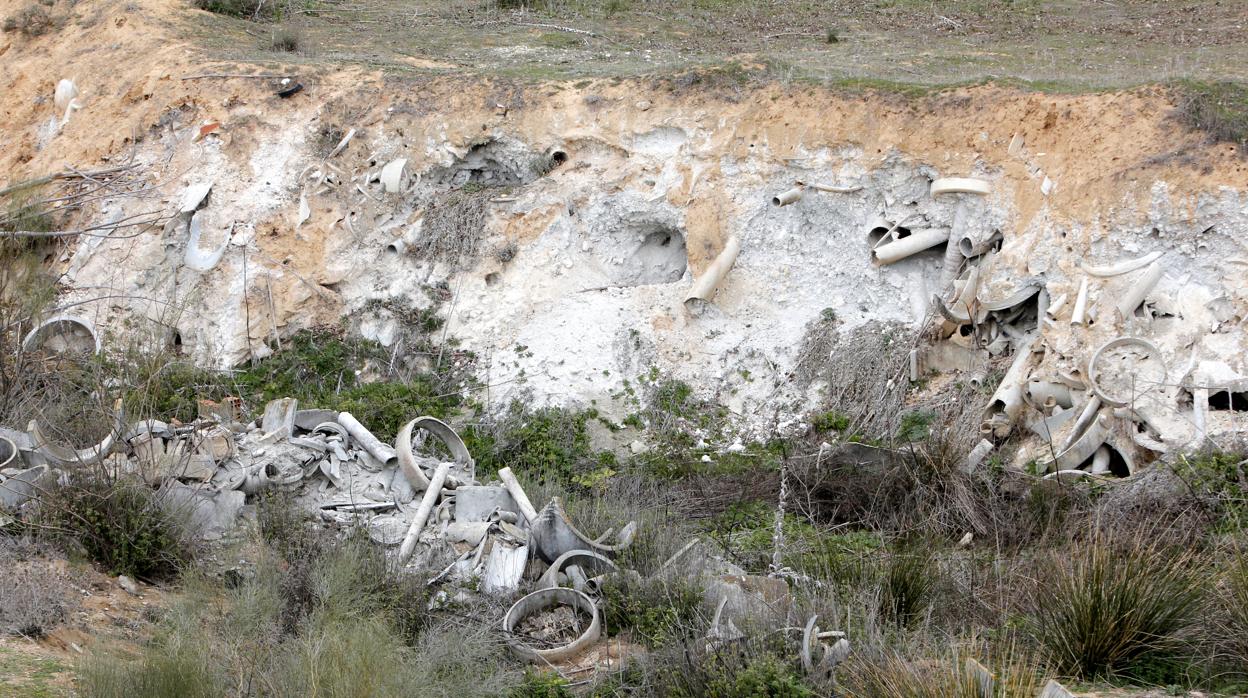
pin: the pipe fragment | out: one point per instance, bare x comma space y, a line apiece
1094, 373
407, 459
1122, 267
432, 492
1138, 292
517, 493
704, 286
1077, 316
915, 242
540, 600
788, 197
1007, 402
383, 453
61, 456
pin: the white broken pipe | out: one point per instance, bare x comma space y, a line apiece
1077, 316
915, 242
197, 258
422, 514
1084, 447
1085, 420
1007, 401
342, 144
362, 436
953, 253
1200, 410
392, 175
1122, 267
970, 246
704, 286
407, 460
1100, 460
914, 365
517, 493
1139, 290
977, 455
788, 197
1047, 393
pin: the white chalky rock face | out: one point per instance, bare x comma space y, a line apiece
597, 221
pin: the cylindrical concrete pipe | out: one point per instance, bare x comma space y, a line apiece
1135, 295
915, 242
8, 452
1078, 315
517, 493
1007, 401
704, 286
788, 197
1100, 460
540, 600
1084, 447
1041, 392
365, 439
1138, 387
432, 492
961, 186
1085, 419
971, 246
61, 456
1200, 412
198, 258
63, 333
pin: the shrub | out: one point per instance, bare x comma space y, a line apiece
31, 21
1099, 609
889, 675
657, 612
910, 577
121, 524
1220, 109
1234, 615
243, 9
35, 593
287, 39
549, 445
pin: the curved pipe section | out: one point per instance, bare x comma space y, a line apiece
1093, 373
69, 330
198, 258
540, 600
587, 560
444, 433
1123, 267
704, 287
61, 456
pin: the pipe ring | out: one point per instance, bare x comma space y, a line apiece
1113, 344
539, 601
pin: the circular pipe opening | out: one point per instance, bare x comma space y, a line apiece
8, 452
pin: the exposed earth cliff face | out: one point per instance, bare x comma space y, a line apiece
558, 227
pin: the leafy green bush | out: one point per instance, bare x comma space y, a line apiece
657, 612
541, 684
242, 9
121, 524
1100, 609
829, 421
549, 445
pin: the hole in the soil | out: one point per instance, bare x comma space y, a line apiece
494, 163
557, 158
177, 343
491, 278
659, 259
1229, 401
965, 330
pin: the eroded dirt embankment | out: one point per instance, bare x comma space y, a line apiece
558, 227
